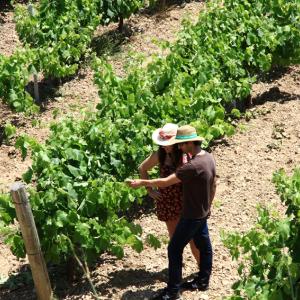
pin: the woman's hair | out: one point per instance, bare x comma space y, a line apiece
176, 156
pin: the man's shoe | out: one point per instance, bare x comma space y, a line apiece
195, 284
166, 294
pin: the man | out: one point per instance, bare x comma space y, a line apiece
198, 178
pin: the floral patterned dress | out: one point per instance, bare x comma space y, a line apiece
170, 206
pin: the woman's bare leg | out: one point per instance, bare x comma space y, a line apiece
171, 225
195, 252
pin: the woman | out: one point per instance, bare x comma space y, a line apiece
168, 200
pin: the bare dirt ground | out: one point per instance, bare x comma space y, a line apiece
245, 163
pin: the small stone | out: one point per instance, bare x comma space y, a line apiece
12, 152
225, 282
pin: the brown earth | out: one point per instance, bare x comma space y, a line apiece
246, 161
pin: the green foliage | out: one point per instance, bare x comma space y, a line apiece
113, 10
80, 191
11, 235
79, 173
15, 72
268, 254
60, 31
289, 190
9, 131
153, 241
24, 143
7, 210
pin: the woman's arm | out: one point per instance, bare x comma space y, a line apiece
149, 163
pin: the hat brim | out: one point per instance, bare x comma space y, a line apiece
174, 141
158, 140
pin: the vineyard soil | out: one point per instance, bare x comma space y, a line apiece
245, 163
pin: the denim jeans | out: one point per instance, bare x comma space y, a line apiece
187, 230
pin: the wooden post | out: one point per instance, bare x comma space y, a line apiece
31, 12
36, 88
121, 24
32, 243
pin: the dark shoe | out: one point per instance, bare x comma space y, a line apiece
195, 284
166, 294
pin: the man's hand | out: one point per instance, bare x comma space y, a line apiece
134, 183
158, 183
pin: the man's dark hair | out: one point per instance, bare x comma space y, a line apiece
197, 143
176, 156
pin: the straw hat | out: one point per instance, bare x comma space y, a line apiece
185, 133
162, 136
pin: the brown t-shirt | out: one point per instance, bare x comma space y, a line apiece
197, 178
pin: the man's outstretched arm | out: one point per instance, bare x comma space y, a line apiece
159, 182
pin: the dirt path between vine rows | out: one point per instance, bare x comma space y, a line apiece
245, 163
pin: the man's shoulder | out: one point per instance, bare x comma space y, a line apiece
206, 155
203, 155
204, 160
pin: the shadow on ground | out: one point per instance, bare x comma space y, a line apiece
275, 73
274, 95
48, 90
111, 42
161, 6
5, 6
20, 284
137, 279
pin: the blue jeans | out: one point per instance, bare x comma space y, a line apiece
186, 230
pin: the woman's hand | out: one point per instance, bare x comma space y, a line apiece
155, 195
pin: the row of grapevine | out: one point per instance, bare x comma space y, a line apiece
213, 64
269, 254
78, 175
55, 35
15, 72
59, 32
